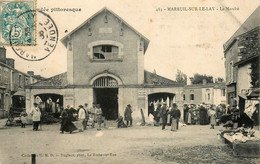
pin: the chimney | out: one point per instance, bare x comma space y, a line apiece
204, 81
31, 73
2, 54
10, 62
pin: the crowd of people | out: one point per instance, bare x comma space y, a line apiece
82, 116
163, 115
78, 119
71, 119
203, 114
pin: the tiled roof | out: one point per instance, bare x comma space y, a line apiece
220, 86
208, 85
250, 45
251, 22
154, 79
59, 80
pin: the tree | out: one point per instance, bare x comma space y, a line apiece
198, 78
181, 77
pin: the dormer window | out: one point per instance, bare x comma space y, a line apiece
106, 52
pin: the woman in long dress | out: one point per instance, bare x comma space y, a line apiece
64, 119
67, 118
212, 115
189, 117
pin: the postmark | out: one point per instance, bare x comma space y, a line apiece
46, 38
19, 26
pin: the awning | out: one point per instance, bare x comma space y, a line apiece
255, 93
19, 93
242, 96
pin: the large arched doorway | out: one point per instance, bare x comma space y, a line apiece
157, 98
105, 93
49, 102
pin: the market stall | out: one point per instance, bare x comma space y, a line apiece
242, 126
244, 141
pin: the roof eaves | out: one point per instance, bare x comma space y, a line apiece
250, 22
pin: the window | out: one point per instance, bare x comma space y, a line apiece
26, 81
3, 76
1, 100
231, 71
6, 77
1, 80
207, 94
223, 92
106, 52
105, 82
20, 81
191, 96
12, 80
184, 97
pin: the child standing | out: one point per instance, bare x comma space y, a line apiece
23, 118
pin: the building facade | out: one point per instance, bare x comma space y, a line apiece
210, 93
105, 65
12, 82
240, 51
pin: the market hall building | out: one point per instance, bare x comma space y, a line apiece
105, 65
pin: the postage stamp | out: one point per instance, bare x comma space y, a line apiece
46, 35
15, 25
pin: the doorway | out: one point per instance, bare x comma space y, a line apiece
108, 100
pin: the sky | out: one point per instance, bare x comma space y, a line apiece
191, 41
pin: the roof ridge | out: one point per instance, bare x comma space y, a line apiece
94, 15
248, 23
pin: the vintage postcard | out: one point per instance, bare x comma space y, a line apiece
133, 81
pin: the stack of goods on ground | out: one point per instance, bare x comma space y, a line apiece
48, 118
241, 135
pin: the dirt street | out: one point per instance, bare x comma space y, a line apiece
137, 144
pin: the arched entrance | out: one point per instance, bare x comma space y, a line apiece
156, 98
105, 93
49, 102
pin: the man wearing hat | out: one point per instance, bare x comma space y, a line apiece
128, 115
163, 114
81, 118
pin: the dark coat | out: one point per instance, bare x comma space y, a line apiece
176, 114
163, 111
128, 114
66, 124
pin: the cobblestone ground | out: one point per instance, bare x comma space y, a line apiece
137, 144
